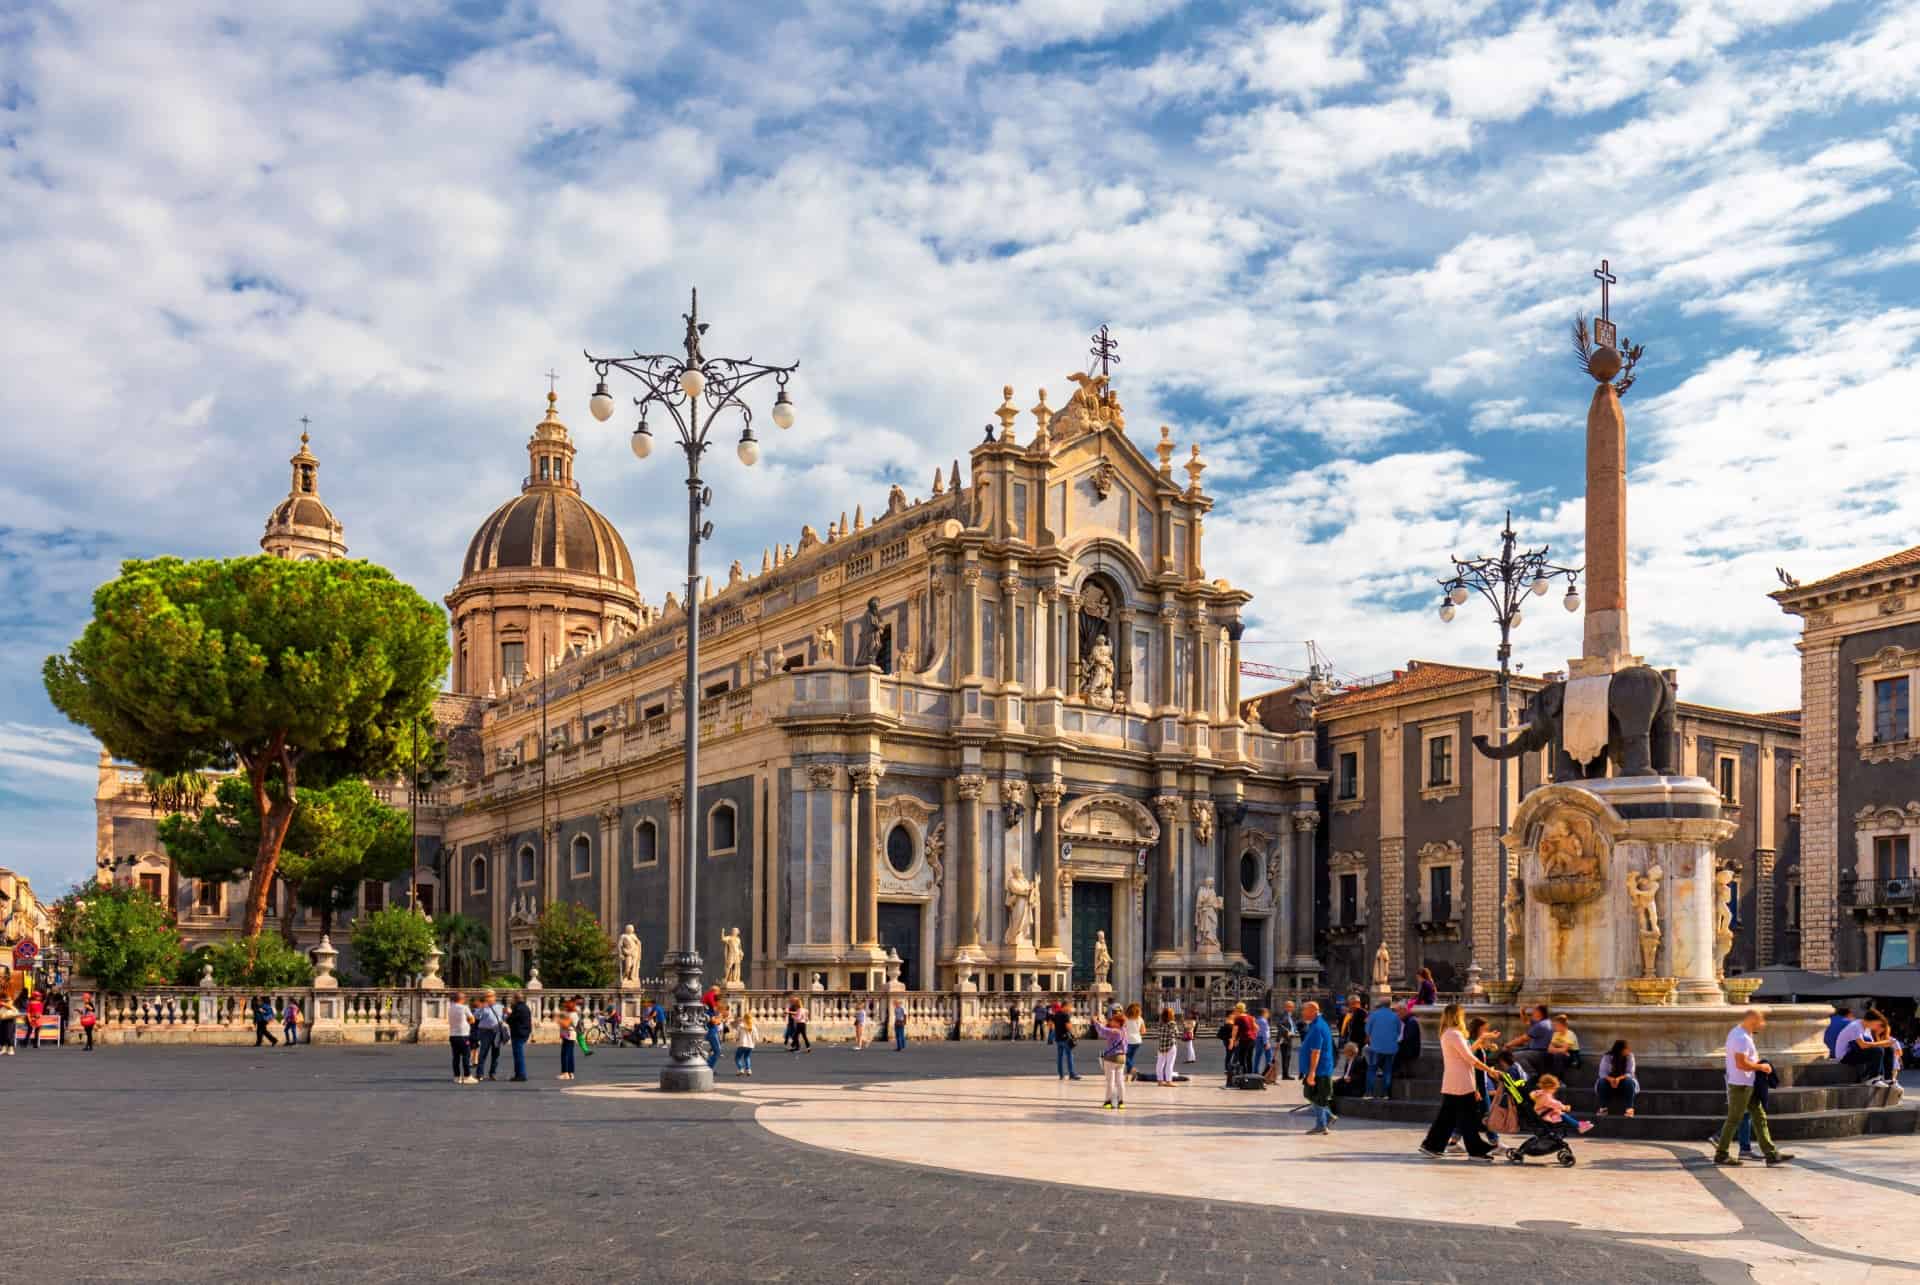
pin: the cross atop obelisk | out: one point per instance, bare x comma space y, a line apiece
1606, 648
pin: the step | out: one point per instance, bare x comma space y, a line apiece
1821, 1074
1789, 1100
1805, 1126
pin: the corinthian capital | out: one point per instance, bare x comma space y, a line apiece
1049, 793
820, 776
1305, 821
676, 799
866, 777
1169, 806
970, 787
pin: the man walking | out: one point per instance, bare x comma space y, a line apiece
520, 1030
1316, 1066
263, 1021
1286, 1030
1383, 1041
1743, 1064
1262, 1042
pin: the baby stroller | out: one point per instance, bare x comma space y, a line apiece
1543, 1137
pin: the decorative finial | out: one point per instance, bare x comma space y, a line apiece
304, 422
859, 518
766, 561
1164, 449
1007, 414
1606, 355
1106, 351
1041, 412
1195, 467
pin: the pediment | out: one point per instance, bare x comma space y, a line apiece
1109, 818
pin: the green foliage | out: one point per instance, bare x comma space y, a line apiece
293, 670
464, 941
121, 937
571, 949
265, 962
391, 945
191, 964
504, 982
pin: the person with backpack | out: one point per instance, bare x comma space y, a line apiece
263, 1021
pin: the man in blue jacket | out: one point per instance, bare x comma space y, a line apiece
1316, 1066
1383, 1041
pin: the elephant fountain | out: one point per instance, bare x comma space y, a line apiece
1640, 730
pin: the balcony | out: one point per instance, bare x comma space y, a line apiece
1882, 898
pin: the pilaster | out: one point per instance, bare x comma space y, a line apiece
1484, 941
1393, 900
866, 877
1168, 807
967, 909
1047, 795
1820, 822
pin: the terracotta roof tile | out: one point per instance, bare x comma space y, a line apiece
1419, 676
1892, 562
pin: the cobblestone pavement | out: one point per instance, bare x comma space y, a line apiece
365, 1164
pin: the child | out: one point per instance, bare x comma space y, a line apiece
567, 1023
1563, 1046
743, 1041
1186, 1039
1552, 1109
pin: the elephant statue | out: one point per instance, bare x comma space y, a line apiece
1640, 728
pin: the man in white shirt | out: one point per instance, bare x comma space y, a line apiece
1743, 1064
1865, 1045
460, 1037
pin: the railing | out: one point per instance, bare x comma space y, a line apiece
1866, 894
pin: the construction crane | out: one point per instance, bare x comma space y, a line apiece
1318, 675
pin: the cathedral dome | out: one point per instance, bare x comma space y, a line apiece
302, 526
547, 527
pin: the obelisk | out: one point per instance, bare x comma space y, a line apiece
1605, 645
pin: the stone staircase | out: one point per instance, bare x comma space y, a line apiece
1814, 1100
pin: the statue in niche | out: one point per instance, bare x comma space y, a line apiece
1020, 891
1102, 960
629, 957
1642, 889
876, 639
735, 955
1516, 905
1094, 622
826, 642
1096, 683
1206, 916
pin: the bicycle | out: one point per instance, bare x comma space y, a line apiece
599, 1030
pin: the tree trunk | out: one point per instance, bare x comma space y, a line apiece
275, 818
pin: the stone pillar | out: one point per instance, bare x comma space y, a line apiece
1484, 878
1763, 860
1819, 812
1235, 628
1009, 666
866, 873
610, 866
325, 1012
969, 628
1050, 648
676, 823
1168, 807
1070, 679
550, 843
1047, 795
967, 908
1228, 864
1304, 858
1169, 698
1393, 902
1606, 567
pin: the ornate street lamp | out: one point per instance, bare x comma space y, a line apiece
691, 390
1505, 582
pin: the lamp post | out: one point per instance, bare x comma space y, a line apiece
691, 390
1505, 582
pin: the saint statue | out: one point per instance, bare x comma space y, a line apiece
1020, 890
826, 644
876, 639
1206, 916
1383, 968
1096, 682
730, 943
1102, 959
629, 957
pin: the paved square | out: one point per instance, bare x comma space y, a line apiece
950, 1162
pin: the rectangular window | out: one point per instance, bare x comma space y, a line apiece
1182, 672
1892, 857
373, 895
1893, 951
1793, 788
1023, 647
1793, 906
208, 899
1728, 771
1440, 761
1350, 899
989, 639
1890, 710
580, 856
1144, 530
646, 844
720, 688
1020, 510
1146, 674
1440, 892
423, 897
1349, 775
513, 661
151, 885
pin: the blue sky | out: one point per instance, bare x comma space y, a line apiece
1341, 246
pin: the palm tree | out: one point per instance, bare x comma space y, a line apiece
175, 792
466, 944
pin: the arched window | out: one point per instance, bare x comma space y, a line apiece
900, 849
526, 864
1249, 873
722, 829
646, 843
582, 856
479, 880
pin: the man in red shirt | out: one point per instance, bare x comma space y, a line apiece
1240, 1047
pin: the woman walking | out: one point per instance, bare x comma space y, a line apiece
1458, 1101
860, 1020
1136, 1025
1113, 1058
743, 1041
566, 1020
89, 1017
289, 1021
797, 1017
1167, 1039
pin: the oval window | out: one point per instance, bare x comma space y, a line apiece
900, 852
1249, 872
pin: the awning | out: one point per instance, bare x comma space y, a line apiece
1782, 983
1901, 983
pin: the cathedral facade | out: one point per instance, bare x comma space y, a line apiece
984, 733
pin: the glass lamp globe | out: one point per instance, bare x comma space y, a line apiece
1514, 621
1446, 612
1540, 586
642, 442
692, 382
783, 410
601, 403
1572, 600
1458, 593
748, 451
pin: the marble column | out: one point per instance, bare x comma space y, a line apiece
1048, 795
610, 867
967, 885
1051, 649
676, 823
866, 873
1009, 667
1303, 863
1168, 807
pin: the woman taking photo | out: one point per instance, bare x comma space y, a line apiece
1459, 1109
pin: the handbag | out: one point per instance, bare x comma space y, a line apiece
1504, 1117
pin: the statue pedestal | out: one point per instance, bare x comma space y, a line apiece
1102, 994
1574, 845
